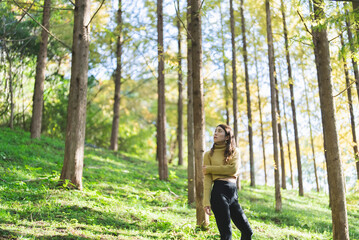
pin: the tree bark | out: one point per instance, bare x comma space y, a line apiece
190, 131
180, 95
281, 149
76, 111
352, 48
261, 121
248, 96
288, 143
38, 98
331, 142
118, 76
234, 74
225, 78
351, 111
278, 197
198, 110
292, 102
161, 112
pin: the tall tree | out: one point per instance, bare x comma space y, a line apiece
292, 102
278, 197
118, 76
331, 142
310, 131
38, 98
76, 111
234, 80
234, 73
198, 109
350, 105
280, 138
261, 119
224, 59
180, 95
190, 130
352, 45
248, 95
287, 135
161, 112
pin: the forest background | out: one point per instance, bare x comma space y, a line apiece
138, 109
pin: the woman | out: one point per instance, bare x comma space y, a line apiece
221, 167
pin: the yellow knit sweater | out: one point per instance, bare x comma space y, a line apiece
215, 169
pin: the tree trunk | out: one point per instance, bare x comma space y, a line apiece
76, 111
198, 110
234, 74
351, 111
180, 95
288, 143
190, 133
38, 98
278, 197
11, 90
234, 80
311, 133
118, 76
356, 75
226, 89
352, 49
261, 121
292, 102
331, 143
284, 185
161, 112
248, 96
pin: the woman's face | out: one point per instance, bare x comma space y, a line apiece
219, 135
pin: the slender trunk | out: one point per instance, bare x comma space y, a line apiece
180, 95
311, 133
292, 102
38, 98
317, 67
161, 112
351, 111
118, 76
234, 74
76, 111
284, 185
234, 80
190, 133
248, 96
331, 142
278, 197
261, 121
198, 108
226, 89
353, 43
287, 135
356, 75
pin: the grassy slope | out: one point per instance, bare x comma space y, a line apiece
122, 199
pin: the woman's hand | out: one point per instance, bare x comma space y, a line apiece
207, 210
204, 169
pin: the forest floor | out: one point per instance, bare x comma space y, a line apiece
123, 199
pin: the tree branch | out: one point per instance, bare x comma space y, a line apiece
67, 46
345, 88
179, 18
305, 25
95, 13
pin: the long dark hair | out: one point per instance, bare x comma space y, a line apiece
230, 143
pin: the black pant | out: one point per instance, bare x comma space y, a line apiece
224, 204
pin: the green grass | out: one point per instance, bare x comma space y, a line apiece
123, 199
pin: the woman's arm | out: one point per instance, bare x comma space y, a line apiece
207, 183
